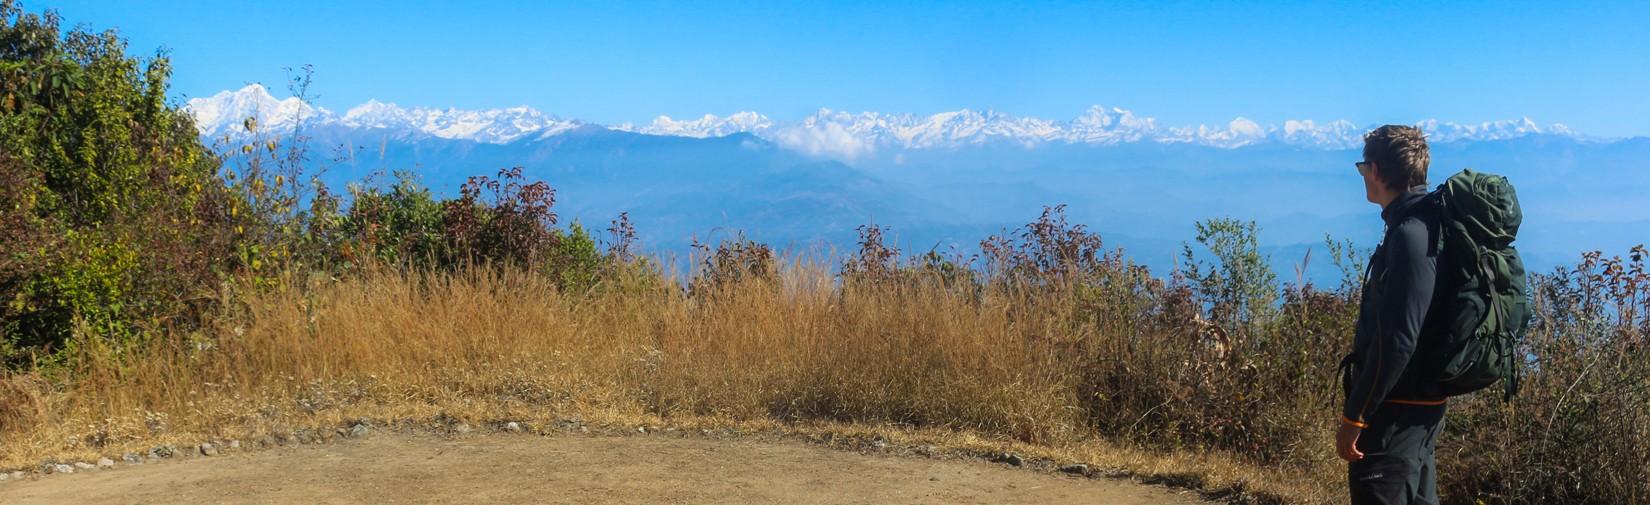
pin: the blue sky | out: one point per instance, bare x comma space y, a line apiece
1583, 64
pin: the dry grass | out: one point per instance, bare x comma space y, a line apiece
792, 353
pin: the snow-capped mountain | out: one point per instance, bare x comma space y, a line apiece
826, 132
496, 126
226, 112
830, 131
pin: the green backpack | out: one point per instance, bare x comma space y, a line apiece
1488, 313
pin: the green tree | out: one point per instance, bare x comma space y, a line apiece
1240, 288
119, 201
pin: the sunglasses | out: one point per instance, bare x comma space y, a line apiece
1363, 167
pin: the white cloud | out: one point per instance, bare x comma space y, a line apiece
825, 139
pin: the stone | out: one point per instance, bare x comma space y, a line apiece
641, 429
461, 428
235, 444
1008, 458
17, 474
163, 451
82, 465
4, 476
512, 427
359, 431
208, 450
105, 463
1075, 469
266, 441
62, 469
131, 457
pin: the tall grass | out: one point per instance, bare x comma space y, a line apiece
1059, 355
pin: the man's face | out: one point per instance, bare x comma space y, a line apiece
1374, 190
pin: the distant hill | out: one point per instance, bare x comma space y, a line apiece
948, 180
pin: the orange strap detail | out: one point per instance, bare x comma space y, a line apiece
1418, 402
1354, 423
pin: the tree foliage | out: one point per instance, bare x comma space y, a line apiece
111, 204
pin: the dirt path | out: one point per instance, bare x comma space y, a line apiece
399, 468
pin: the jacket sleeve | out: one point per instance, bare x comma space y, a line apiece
1410, 277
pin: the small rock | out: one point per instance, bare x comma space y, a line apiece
1075, 469
131, 457
641, 429
512, 427
17, 474
1008, 458
462, 428
584, 429
163, 451
933, 479
62, 469
235, 444
208, 450
359, 431
82, 465
105, 463
4, 476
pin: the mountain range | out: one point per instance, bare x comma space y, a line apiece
945, 181
836, 134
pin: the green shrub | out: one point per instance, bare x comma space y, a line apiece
574, 261
112, 176
1240, 288
400, 225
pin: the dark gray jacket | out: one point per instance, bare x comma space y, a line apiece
1398, 319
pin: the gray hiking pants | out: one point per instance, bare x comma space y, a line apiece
1399, 466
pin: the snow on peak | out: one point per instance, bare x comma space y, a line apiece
707, 126
225, 112
828, 132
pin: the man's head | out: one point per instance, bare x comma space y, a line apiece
1398, 156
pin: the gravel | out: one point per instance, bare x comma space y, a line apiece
1008, 458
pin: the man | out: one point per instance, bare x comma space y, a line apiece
1390, 422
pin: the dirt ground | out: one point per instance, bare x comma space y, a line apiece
508, 468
